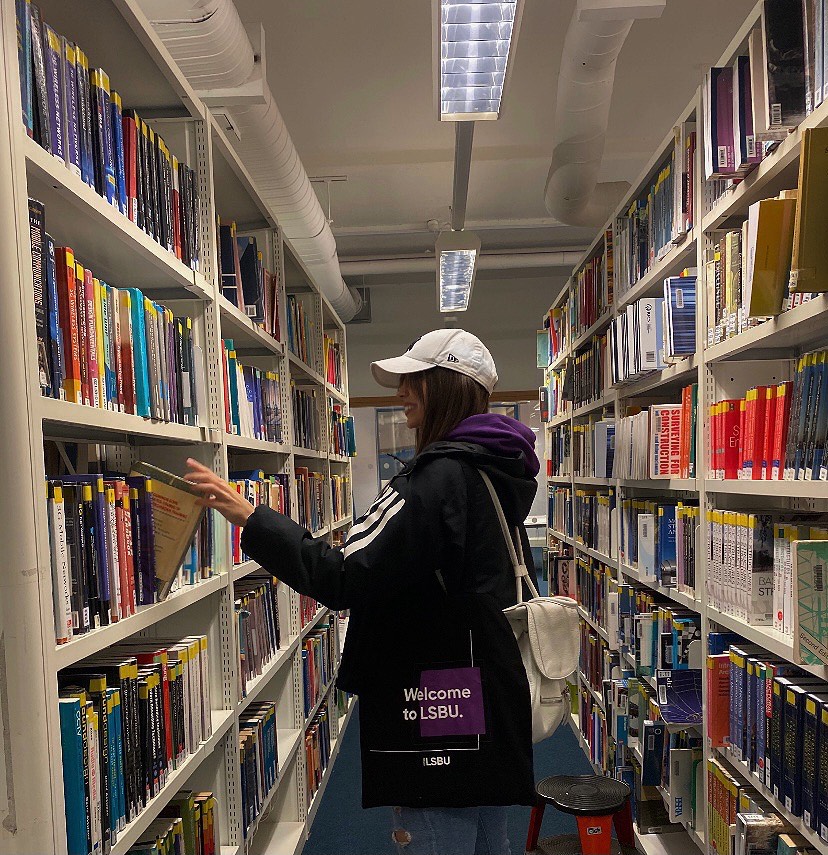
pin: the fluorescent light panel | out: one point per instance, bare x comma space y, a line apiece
457, 255
475, 43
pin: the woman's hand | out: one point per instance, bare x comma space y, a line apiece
217, 493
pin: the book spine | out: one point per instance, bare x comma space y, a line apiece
117, 143
40, 95
70, 105
74, 789
61, 575
23, 16
85, 143
68, 312
52, 51
38, 249
114, 295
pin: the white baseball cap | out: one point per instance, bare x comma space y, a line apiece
454, 349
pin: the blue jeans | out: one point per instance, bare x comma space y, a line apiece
451, 831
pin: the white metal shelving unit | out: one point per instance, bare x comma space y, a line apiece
721, 370
31, 785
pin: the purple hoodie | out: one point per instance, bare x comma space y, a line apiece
501, 435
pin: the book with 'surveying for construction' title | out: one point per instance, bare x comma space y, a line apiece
176, 515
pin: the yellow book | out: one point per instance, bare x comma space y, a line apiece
809, 265
770, 246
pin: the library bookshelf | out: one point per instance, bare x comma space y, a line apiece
722, 369
32, 818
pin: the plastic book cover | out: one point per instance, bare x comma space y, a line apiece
680, 696
811, 602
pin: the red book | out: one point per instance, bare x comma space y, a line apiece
780, 429
754, 433
729, 437
68, 316
770, 424
718, 699
684, 449
130, 131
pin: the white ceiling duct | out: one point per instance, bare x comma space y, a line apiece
593, 42
209, 42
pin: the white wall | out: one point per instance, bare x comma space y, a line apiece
504, 313
364, 465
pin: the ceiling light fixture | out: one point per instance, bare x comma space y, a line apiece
457, 255
476, 39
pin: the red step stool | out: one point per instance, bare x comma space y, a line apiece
597, 803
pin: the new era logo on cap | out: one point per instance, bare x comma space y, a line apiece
454, 349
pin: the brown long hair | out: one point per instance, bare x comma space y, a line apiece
448, 398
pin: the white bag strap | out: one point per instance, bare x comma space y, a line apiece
516, 557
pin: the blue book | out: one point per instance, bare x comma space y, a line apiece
116, 123
652, 752
752, 688
83, 96
799, 421
685, 630
818, 427
680, 300
680, 696
139, 352
112, 750
792, 757
719, 642
53, 320
24, 52
52, 53
71, 744
666, 567
102, 134
250, 394
233, 377
70, 104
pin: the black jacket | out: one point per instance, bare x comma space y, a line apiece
426, 574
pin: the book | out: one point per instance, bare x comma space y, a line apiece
809, 264
784, 67
665, 443
176, 514
769, 254
810, 602
679, 695
71, 740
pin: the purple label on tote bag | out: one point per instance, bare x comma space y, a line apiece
450, 702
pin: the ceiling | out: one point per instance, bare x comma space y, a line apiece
354, 82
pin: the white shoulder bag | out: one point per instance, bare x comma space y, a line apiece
546, 629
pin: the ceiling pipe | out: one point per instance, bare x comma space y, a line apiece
425, 264
596, 34
196, 33
463, 140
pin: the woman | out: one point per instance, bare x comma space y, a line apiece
444, 702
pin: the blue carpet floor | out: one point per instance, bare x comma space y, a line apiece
342, 827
